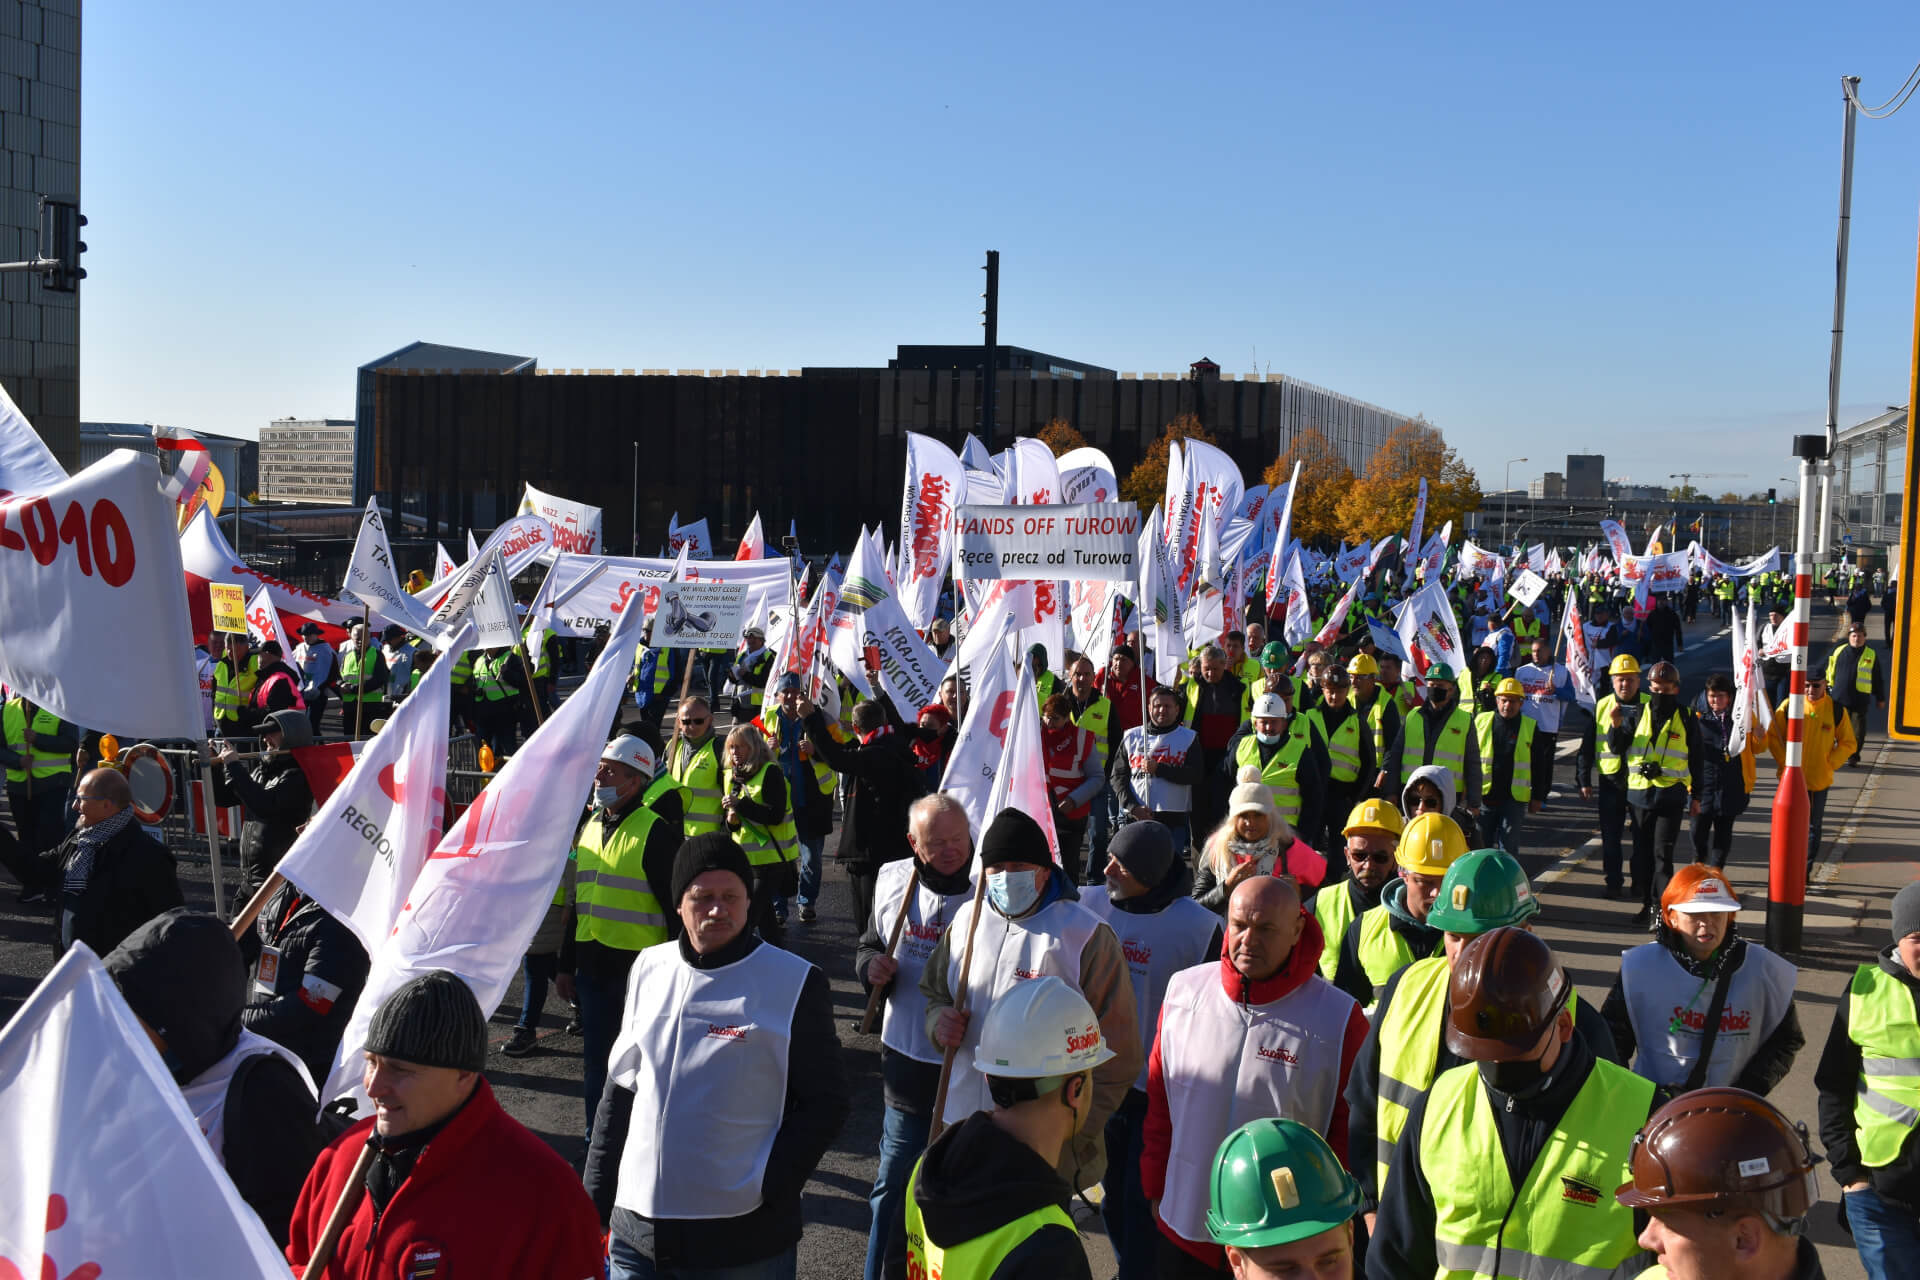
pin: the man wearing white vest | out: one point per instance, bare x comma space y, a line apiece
686, 1194
1158, 763
1032, 923
1148, 903
1257, 1033
940, 878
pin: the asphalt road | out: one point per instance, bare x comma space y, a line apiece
543, 1090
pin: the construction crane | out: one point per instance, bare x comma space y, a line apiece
1686, 478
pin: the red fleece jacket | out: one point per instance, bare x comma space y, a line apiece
486, 1198
1301, 966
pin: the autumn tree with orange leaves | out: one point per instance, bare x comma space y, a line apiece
1381, 501
1146, 484
1060, 436
1325, 479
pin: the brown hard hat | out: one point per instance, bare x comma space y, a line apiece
1505, 992
1722, 1149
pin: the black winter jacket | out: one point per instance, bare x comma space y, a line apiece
317, 980
881, 781
276, 798
1838, 1080
133, 880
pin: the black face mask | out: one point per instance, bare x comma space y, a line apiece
1512, 1077
1664, 704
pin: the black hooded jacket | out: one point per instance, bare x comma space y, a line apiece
276, 800
316, 981
975, 1179
182, 974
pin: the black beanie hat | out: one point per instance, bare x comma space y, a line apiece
713, 851
1145, 849
1012, 836
433, 1021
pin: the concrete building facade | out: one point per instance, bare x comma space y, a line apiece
307, 460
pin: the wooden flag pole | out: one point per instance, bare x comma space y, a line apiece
870, 1020
960, 1002
256, 904
343, 1210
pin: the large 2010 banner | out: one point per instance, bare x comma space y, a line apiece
94, 625
1052, 543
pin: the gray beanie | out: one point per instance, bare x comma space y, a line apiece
433, 1021
1145, 849
1906, 911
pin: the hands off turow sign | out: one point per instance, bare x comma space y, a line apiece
1056, 543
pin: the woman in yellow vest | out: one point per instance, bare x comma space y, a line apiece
1869, 1083
759, 816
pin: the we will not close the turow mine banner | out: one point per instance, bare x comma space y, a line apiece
1092, 540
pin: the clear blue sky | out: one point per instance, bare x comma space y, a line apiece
1549, 229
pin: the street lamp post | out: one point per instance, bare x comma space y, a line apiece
1506, 492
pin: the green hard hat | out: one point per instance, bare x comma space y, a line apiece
1277, 1181
1274, 656
1441, 671
1482, 891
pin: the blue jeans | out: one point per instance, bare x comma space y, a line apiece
535, 973
627, 1263
1102, 823
601, 1003
903, 1136
1130, 1225
811, 848
1882, 1234
1500, 825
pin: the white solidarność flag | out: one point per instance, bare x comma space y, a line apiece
1021, 782
1282, 535
1159, 602
1087, 475
443, 565
371, 579
1427, 627
980, 749
481, 894
107, 1173
1573, 633
1298, 626
576, 526
910, 670
84, 564
935, 484
263, 622
1751, 714
1419, 516
358, 855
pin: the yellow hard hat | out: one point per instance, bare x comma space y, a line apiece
1624, 665
1430, 844
1373, 815
1510, 688
1363, 665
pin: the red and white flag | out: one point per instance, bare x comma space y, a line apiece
184, 462
935, 484
84, 565
1021, 782
108, 1175
361, 852
753, 543
263, 621
980, 748
483, 891
443, 565
1282, 536
206, 557
1579, 654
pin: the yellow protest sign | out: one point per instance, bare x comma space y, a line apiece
229, 607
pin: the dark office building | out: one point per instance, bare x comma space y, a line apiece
1586, 475
415, 357
40, 131
825, 447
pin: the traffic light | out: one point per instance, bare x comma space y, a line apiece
61, 245
1773, 495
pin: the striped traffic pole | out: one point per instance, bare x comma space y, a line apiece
1787, 847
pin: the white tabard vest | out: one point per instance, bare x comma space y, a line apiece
903, 1020
1225, 1063
1005, 952
1668, 1009
206, 1093
705, 1053
1172, 747
1157, 946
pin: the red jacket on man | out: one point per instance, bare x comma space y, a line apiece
486, 1198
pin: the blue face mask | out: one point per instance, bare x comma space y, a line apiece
606, 797
1013, 893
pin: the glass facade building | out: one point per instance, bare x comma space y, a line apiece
40, 127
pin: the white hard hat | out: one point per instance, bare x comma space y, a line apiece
1270, 706
1041, 1028
630, 751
